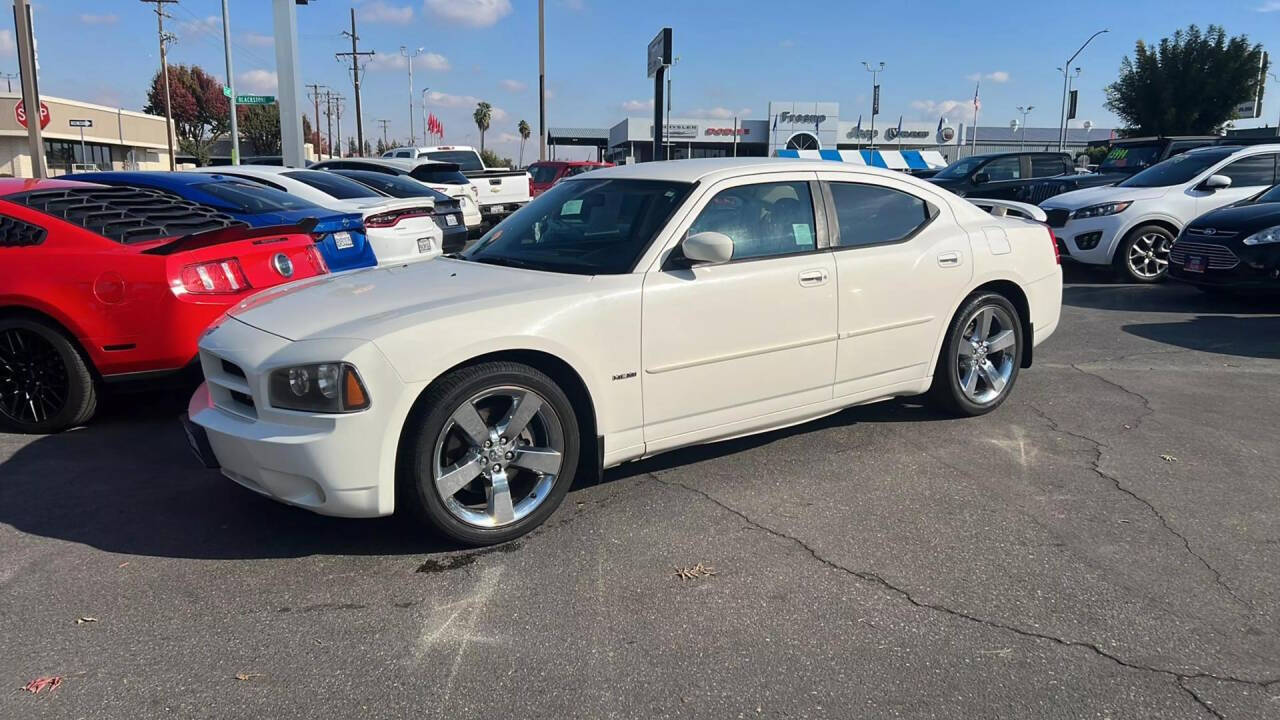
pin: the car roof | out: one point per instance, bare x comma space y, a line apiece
718, 168
152, 178
259, 170
405, 164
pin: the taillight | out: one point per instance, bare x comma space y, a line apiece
215, 277
391, 218
1057, 254
530, 186
316, 260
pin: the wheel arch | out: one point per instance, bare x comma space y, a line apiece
57, 323
1161, 221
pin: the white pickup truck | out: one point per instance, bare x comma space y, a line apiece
499, 191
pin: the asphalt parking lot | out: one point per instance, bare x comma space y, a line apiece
1106, 545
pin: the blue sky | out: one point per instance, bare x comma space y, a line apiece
736, 55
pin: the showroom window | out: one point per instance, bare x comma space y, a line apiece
763, 220
63, 154
874, 215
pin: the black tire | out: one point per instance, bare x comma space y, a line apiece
947, 391
425, 425
63, 378
1140, 234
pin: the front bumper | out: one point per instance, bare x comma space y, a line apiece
1107, 229
331, 464
1256, 268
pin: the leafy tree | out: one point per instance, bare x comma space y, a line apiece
201, 112
260, 126
318, 144
482, 116
368, 148
1186, 85
491, 159
353, 150
523, 129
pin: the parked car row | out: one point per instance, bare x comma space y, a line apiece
498, 191
113, 276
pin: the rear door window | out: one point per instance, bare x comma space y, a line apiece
1047, 166
1002, 169
876, 215
1253, 171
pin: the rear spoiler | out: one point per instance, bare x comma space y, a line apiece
234, 233
1003, 208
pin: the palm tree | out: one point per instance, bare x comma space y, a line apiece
482, 115
523, 129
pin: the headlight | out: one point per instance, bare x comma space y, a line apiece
1104, 209
320, 387
1264, 237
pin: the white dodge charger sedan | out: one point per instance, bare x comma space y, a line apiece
623, 313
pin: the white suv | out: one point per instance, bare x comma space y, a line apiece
1132, 224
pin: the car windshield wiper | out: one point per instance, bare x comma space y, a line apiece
510, 262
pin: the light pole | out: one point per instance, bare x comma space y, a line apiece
665, 130
1062, 128
1070, 81
1022, 145
425, 90
875, 96
405, 53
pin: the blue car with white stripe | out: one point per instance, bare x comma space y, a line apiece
340, 237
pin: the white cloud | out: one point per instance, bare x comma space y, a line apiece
254, 39
931, 109
90, 19
514, 85
717, 113
508, 137
210, 24
379, 11
787, 43
395, 61
467, 102
472, 13
999, 76
1269, 6
7, 48
637, 105
257, 82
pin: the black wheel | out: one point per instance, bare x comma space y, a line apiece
980, 357
491, 452
45, 385
1143, 256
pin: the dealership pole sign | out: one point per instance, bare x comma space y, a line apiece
659, 59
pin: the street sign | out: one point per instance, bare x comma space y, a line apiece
255, 99
659, 51
226, 91
80, 123
20, 113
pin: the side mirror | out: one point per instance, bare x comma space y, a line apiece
1216, 182
707, 247
981, 178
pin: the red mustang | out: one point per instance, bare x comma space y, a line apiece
103, 283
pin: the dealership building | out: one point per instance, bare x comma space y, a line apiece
799, 126
113, 139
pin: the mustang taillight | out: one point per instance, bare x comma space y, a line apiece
316, 260
215, 277
391, 218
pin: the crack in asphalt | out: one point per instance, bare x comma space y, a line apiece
1096, 467
867, 576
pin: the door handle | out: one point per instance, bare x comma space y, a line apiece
951, 259
813, 278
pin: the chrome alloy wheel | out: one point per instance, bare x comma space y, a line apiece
498, 456
1149, 255
987, 353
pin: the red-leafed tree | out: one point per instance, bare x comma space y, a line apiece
200, 109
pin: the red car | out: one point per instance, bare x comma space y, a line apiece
105, 283
542, 175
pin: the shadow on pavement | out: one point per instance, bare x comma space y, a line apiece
1171, 297
1257, 337
128, 484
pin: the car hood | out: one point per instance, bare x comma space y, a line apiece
366, 304
1240, 219
1085, 197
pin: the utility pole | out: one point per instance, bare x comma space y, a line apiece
405, 53
337, 109
231, 83
165, 39
542, 81
875, 96
315, 130
8, 79
355, 56
328, 119
30, 86
384, 131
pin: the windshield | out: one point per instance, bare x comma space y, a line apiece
542, 174
252, 198
1270, 196
468, 160
331, 184
960, 168
586, 227
1130, 157
1177, 169
440, 173
400, 186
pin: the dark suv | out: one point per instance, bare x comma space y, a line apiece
1002, 176
1124, 159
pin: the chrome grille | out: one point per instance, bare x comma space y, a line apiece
1037, 193
1217, 257
1211, 232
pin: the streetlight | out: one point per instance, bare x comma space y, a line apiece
425, 90
875, 96
1062, 129
405, 53
1025, 111
1070, 81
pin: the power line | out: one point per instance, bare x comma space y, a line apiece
355, 56
384, 124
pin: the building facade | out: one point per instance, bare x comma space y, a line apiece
117, 139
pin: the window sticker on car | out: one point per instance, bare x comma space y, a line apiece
572, 207
802, 233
